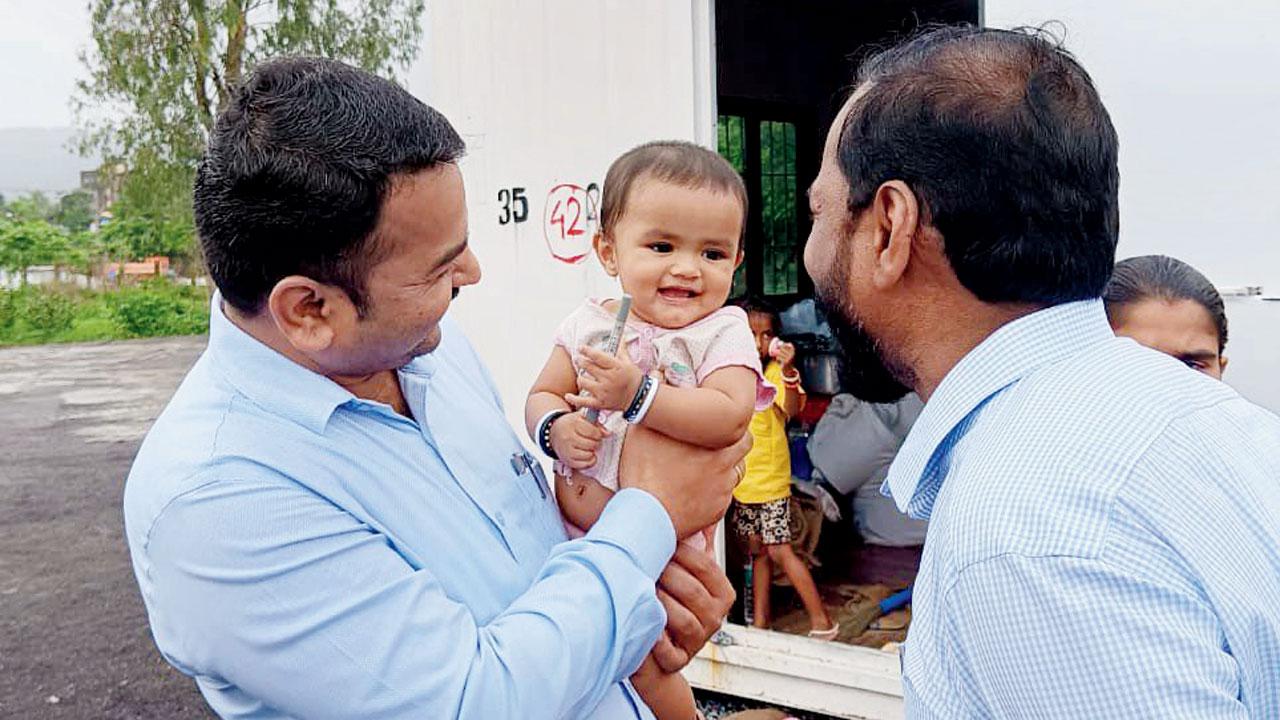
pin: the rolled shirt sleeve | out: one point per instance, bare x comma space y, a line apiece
300, 605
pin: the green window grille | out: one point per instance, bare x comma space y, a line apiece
764, 153
778, 196
731, 132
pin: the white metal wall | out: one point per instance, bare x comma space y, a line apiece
547, 93
1194, 93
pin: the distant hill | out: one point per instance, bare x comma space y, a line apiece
39, 159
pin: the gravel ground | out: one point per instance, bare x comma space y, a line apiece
74, 641
716, 706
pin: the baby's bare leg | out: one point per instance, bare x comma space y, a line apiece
666, 694
581, 500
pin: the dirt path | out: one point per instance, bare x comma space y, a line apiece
74, 641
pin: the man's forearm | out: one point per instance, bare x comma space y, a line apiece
619, 561
368, 635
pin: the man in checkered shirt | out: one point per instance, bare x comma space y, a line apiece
1104, 523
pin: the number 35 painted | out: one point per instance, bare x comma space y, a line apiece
515, 206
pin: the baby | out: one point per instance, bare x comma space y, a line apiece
672, 218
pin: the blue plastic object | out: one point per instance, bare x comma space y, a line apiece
895, 601
801, 465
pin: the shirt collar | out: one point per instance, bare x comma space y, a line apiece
267, 378
1010, 353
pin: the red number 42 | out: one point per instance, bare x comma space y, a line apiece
560, 214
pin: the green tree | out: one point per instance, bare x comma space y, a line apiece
24, 243
163, 68
140, 236
132, 236
85, 254
75, 210
35, 206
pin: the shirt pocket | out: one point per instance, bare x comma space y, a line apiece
530, 504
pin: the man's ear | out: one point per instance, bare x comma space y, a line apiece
896, 213
1222, 364
607, 252
307, 312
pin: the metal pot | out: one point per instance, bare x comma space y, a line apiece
820, 373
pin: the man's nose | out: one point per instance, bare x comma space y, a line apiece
468, 269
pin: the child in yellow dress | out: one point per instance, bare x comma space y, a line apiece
762, 501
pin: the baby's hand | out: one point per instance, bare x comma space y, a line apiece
610, 380
575, 440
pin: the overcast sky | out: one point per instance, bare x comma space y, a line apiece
39, 43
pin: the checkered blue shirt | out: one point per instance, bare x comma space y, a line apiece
1104, 537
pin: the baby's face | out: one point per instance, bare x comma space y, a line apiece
675, 250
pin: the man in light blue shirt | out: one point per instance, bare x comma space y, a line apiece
1104, 523
332, 517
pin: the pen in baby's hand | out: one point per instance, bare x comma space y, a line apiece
614, 339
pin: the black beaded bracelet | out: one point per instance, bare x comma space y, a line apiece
637, 402
544, 433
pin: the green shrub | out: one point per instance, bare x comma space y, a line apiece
48, 312
160, 308
43, 314
9, 308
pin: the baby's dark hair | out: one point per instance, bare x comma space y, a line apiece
672, 161
1161, 277
756, 304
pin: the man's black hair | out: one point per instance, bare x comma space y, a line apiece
1160, 277
1004, 140
297, 168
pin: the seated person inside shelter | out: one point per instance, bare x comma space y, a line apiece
851, 448
1167, 305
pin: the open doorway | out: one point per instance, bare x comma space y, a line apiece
782, 72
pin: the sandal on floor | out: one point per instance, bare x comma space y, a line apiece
826, 635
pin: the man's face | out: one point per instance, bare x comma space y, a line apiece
838, 257
422, 240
